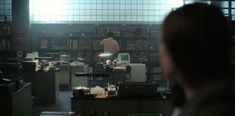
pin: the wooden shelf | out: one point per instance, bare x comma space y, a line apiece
134, 50
68, 50
94, 37
140, 40
5, 35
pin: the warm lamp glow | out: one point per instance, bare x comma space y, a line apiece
105, 54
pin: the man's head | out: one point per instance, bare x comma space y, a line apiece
196, 43
110, 34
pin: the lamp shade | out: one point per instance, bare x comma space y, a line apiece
105, 54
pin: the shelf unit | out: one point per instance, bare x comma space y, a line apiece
5, 39
83, 40
5, 29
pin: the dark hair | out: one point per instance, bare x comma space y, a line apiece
110, 34
198, 38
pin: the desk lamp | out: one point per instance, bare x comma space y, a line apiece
105, 54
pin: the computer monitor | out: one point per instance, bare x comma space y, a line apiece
124, 58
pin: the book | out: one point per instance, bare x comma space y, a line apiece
44, 44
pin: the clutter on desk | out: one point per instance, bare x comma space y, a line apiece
31, 56
122, 90
33, 62
65, 58
111, 67
165, 93
98, 91
57, 113
137, 89
111, 90
10, 83
81, 92
78, 62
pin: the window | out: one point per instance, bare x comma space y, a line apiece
41, 11
5, 10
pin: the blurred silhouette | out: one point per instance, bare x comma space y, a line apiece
196, 54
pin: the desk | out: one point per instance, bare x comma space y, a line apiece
64, 77
45, 86
102, 78
120, 106
75, 81
18, 103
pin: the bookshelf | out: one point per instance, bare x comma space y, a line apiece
5, 39
83, 40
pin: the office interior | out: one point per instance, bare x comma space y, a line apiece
52, 62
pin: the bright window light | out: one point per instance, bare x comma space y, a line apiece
47, 10
72, 11
174, 3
